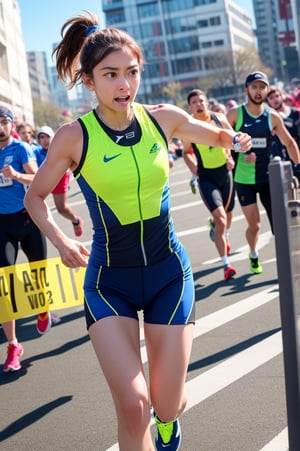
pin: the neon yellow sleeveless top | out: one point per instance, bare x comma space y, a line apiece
127, 192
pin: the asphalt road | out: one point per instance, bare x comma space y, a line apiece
59, 399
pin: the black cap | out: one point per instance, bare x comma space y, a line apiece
5, 112
256, 76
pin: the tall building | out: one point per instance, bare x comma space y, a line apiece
295, 5
276, 37
15, 92
38, 75
180, 37
59, 91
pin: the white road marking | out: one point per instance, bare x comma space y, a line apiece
242, 252
279, 443
229, 371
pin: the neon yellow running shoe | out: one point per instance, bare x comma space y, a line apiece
168, 435
255, 265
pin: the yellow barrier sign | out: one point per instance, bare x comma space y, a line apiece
30, 288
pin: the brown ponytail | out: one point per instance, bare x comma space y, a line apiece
84, 44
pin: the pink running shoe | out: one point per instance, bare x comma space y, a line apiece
229, 272
43, 323
12, 362
78, 226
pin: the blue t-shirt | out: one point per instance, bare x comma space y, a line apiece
40, 154
12, 192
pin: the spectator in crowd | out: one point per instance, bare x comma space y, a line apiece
231, 103
17, 167
44, 137
27, 134
218, 108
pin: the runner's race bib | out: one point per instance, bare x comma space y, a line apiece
4, 182
259, 143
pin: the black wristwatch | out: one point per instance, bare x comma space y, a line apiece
235, 143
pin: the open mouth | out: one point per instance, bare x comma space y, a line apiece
122, 99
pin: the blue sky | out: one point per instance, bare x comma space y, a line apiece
247, 5
42, 20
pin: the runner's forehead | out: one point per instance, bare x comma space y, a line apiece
197, 98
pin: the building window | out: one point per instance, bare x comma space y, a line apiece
206, 45
203, 2
150, 29
115, 17
154, 51
174, 5
182, 45
203, 23
3, 62
187, 65
155, 70
179, 24
148, 10
215, 21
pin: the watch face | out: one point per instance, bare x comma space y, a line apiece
236, 144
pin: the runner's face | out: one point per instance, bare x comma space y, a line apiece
26, 134
198, 106
44, 140
275, 100
5, 129
257, 92
116, 80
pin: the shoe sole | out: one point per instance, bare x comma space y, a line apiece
256, 271
10, 369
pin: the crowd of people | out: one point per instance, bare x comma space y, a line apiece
121, 153
20, 156
273, 124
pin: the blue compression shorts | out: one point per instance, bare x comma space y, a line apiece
164, 291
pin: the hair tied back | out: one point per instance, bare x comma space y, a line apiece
92, 29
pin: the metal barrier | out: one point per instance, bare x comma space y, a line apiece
286, 222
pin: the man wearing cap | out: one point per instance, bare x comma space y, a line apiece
251, 173
17, 168
291, 118
44, 138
